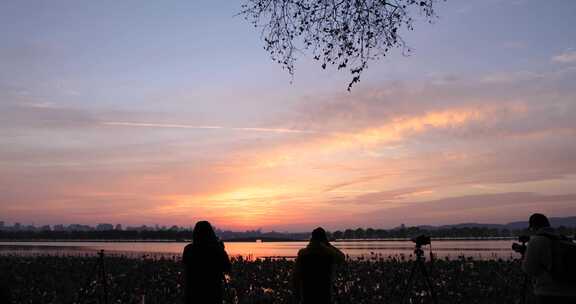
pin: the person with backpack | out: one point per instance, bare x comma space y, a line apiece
550, 260
314, 269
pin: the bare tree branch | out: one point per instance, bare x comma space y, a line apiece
344, 33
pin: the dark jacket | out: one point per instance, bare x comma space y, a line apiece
537, 261
204, 267
314, 270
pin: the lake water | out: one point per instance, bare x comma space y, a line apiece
481, 249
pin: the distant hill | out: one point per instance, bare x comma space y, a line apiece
554, 221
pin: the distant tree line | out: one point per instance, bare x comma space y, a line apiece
99, 235
452, 232
173, 235
359, 233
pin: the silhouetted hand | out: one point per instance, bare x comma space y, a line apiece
520, 248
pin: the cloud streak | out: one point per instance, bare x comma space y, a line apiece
201, 127
566, 57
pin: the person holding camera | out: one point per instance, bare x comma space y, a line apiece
547, 261
205, 262
314, 269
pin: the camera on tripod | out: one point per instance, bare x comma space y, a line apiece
422, 240
521, 248
419, 266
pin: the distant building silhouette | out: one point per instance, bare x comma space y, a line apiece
104, 227
46, 228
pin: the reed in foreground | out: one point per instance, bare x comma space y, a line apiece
372, 279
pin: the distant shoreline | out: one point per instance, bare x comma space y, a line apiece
246, 240
485, 248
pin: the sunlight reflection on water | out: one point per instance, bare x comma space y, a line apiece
453, 248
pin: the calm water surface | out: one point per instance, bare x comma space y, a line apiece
483, 249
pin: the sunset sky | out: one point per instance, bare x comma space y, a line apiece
167, 112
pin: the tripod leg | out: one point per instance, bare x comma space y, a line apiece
101, 280
408, 283
431, 289
104, 287
104, 283
81, 296
524, 290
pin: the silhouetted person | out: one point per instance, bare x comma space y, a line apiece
314, 269
538, 261
205, 262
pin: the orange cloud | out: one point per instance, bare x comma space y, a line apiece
388, 133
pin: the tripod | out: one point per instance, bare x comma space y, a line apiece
524, 298
419, 266
100, 273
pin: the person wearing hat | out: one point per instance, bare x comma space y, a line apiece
314, 269
538, 262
